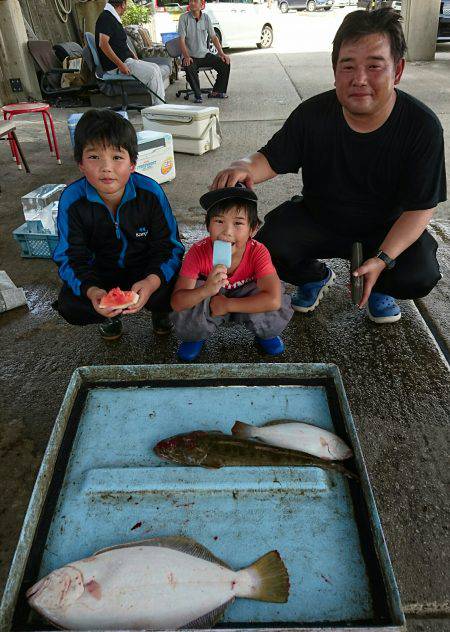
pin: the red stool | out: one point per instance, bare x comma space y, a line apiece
33, 108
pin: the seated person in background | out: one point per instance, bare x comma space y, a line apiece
116, 229
249, 292
111, 43
194, 27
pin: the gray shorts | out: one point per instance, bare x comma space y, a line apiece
197, 323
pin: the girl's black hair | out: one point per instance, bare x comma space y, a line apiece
361, 23
220, 208
107, 128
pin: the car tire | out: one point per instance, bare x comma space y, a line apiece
326, 8
284, 7
266, 37
311, 6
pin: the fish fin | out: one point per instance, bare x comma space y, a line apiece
242, 430
178, 543
273, 578
277, 422
209, 619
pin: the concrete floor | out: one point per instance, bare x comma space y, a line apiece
396, 378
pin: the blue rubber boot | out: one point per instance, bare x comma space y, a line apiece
271, 346
188, 351
382, 308
309, 295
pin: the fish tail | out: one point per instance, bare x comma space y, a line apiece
272, 578
242, 430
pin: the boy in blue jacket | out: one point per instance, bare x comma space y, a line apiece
116, 229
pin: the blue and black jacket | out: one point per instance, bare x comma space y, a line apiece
142, 238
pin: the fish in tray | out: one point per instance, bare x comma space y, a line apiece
216, 449
158, 584
296, 435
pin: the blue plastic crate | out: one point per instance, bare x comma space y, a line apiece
166, 37
35, 245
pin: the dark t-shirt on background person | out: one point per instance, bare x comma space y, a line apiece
362, 181
109, 25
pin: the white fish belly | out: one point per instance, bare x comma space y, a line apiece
306, 438
147, 587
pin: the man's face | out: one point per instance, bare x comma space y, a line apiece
121, 8
195, 5
366, 74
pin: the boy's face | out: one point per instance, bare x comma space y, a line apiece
106, 168
231, 226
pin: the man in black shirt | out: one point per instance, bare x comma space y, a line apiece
112, 47
372, 160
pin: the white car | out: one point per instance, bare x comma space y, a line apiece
241, 23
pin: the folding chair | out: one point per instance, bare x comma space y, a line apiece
114, 78
51, 69
174, 49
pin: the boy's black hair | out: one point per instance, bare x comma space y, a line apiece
222, 207
107, 128
361, 23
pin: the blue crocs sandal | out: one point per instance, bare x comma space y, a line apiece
271, 346
309, 295
198, 100
381, 308
188, 351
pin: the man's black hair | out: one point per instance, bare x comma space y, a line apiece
107, 128
250, 209
116, 3
361, 23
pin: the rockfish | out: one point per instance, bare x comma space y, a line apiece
157, 584
216, 449
296, 435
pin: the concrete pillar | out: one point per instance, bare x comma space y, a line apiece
420, 27
15, 60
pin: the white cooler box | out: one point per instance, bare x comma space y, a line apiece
195, 129
155, 156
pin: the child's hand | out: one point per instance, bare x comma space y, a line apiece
95, 295
216, 280
145, 289
218, 305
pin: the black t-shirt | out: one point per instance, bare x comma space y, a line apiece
357, 180
109, 25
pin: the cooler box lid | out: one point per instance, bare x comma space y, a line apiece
179, 113
148, 139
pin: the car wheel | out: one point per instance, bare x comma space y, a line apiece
311, 6
284, 7
326, 8
212, 49
266, 37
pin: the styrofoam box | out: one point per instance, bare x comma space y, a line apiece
155, 155
182, 121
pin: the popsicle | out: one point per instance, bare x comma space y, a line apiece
222, 253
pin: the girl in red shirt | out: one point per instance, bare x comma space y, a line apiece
249, 292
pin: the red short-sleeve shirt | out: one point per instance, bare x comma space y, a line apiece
255, 263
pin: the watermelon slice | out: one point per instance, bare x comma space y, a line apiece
119, 299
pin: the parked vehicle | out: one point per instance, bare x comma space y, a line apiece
341, 3
241, 23
309, 5
238, 24
443, 34
378, 4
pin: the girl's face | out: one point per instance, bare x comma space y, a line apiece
233, 227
